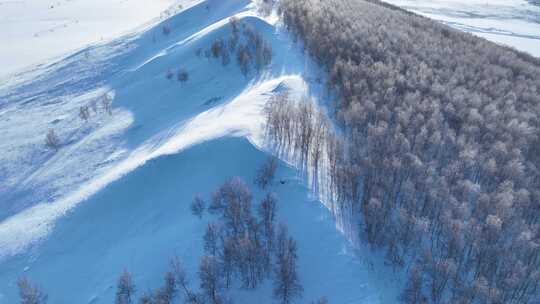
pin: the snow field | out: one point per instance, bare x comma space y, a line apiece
123, 182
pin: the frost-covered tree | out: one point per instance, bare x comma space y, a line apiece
147, 298
166, 30
413, 294
265, 174
267, 215
264, 7
210, 279
169, 74
287, 285
322, 300
30, 293
182, 75
233, 201
434, 152
241, 245
169, 290
52, 141
243, 58
246, 44
250, 261
84, 113
182, 282
106, 103
229, 259
211, 239
198, 206
125, 289
217, 48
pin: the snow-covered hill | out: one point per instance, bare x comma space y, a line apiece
143, 219
116, 194
37, 30
514, 23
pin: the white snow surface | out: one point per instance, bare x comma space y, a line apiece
116, 194
95, 153
37, 30
240, 117
514, 23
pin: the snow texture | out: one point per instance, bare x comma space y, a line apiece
515, 23
117, 192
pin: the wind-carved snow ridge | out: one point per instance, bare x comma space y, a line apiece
43, 185
155, 116
242, 117
96, 154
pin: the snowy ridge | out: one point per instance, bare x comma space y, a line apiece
241, 117
75, 209
28, 165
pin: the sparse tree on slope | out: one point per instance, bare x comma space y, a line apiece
287, 285
167, 293
52, 141
265, 175
106, 102
322, 300
243, 58
84, 113
30, 293
211, 239
210, 279
267, 214
181, 279
182, 76
412, 294
125, 289
198, 206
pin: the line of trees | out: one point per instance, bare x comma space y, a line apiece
266, 173
265, 7
437, 155
248, 46
247, 246
300, 132
30, 293
239, 247
52, 140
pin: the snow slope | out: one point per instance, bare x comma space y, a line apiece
147, 106
37, 30
514, 23
143, 219
117, 192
